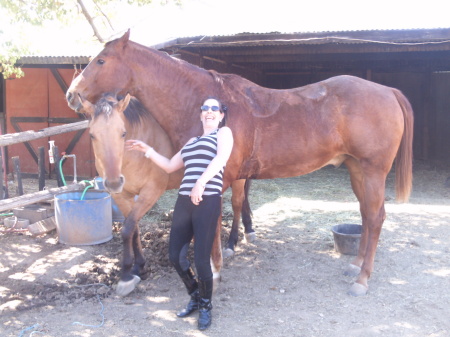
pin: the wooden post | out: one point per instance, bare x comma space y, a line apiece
16, 163
4, 170
41, 168
2, 194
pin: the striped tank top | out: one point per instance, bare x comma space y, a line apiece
196, 157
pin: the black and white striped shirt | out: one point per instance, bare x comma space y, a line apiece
196, 157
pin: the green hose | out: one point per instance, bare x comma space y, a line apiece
6, 214
87, 187
91, 184
61, 171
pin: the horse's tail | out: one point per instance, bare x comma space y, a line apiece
403, 160
246, 211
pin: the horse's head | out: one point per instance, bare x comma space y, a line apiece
107, 72
107, 131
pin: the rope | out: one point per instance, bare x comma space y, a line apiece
101, 304
101, 314
330, 38
29, 328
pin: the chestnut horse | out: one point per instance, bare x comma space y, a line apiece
129, 174
277, 133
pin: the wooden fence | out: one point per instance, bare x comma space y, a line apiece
43, 195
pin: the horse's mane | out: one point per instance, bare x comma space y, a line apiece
134, 113
217, 77
221, 81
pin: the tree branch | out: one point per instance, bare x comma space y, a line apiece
90, 20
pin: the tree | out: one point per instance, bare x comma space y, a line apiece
99, 14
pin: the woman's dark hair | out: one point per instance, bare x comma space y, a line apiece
223, 108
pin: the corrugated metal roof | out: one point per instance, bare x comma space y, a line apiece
393, 37
62, 60
399, 37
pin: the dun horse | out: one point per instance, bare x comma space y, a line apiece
130, 174
277, 133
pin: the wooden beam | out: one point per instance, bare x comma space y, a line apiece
25, 136
32, 198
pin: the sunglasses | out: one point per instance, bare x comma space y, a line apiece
207, 107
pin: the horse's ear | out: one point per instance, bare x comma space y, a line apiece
123, 103
125, 37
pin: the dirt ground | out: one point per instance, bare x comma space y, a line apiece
289, 282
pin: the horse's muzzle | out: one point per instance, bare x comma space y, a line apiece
114, 185
73, 101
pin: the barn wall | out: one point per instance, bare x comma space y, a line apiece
411, 86
441, 117
224, 68
38, 95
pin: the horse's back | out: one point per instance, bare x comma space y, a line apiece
319, 124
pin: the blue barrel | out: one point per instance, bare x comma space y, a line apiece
83, 222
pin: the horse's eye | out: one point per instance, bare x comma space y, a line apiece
124, 134
100, 61
92, 136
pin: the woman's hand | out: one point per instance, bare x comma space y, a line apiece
136, 145
197, 192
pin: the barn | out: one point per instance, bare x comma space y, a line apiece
414, 61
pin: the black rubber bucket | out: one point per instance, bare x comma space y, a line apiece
347, 238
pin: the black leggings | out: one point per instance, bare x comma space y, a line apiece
191, 221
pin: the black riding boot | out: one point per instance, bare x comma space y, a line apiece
205, 314
191, 284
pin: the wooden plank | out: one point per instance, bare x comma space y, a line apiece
43, 226
25, 136
32, 198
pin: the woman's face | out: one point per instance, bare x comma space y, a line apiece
211, 115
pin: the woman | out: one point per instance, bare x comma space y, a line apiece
198, 206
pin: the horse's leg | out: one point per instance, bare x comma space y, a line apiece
239, 202
139, 260
216, 253
246, 213
369, 185
356, 179
125, 202
237, 198
132, 267
128, 280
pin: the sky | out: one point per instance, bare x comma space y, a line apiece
153, 24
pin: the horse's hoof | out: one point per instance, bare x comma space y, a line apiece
126, 287
250, 237
352, 270
227, 252
216, 281
357, 289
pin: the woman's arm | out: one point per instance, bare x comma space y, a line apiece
168, 165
